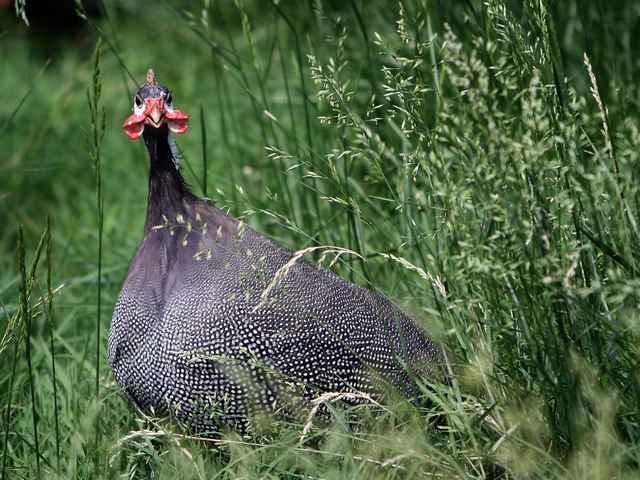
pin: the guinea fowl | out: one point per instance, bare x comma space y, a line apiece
216, 322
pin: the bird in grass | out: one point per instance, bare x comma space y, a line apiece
216, 323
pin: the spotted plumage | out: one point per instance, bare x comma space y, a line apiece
216, 322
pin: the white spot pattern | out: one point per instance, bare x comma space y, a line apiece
192, 337
199, 345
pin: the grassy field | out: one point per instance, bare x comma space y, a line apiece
482, 157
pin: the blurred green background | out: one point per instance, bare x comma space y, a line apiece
466, 140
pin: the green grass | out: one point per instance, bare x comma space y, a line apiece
482, 158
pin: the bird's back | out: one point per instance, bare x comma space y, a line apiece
193, 331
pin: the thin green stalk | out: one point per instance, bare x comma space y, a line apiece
203, 134
303, 88
7, 415
222, 51
25, 312
7, 122
87, 18
93, 141
227, 120
18, 327
22, 325
48, 305
299, 152
259, 106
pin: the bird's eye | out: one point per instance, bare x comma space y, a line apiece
139, 101
168, 100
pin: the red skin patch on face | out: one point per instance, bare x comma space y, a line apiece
155, 115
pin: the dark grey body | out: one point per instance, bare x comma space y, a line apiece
192, 336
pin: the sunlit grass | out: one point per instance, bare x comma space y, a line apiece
480, 159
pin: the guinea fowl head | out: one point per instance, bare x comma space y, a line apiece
153, 109
154, 118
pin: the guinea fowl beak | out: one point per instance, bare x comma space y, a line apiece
155, 114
